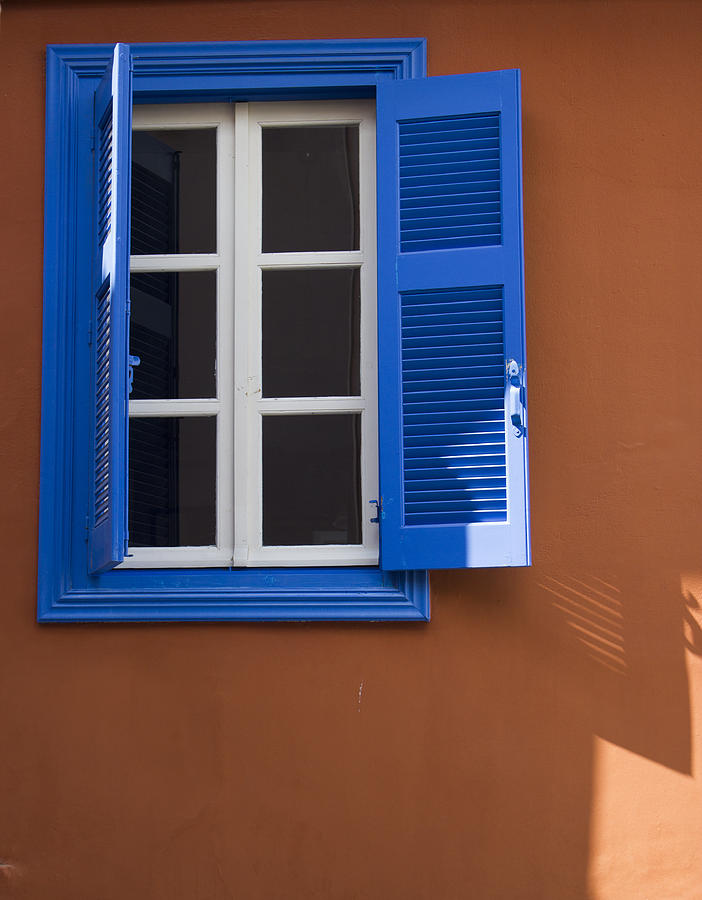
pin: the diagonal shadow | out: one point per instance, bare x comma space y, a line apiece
593, 611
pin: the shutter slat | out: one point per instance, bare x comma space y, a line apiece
450, 435
488, 325
445, 191
470, 181
448, 209
447, 450
451, 312
442, 140
413, 374
458, 518
426, 199
446, 460
454, 354
471, 165
458, 506
491, 390
428, 222
452, 476
445, 125
451, 417
467, 482
485, 493
444, 243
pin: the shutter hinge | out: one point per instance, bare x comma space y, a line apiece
87, 527
378, 510
90, 334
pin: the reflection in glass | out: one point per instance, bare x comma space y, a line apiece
173, 332
174, 191
312, 479
311, 322
310, 188
172, 481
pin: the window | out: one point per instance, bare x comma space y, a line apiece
451, 426
252, 418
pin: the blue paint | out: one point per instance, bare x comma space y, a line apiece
112, 127
173, 72
441, 143
267, 70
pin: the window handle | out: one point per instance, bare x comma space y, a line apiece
133, 361
516, 405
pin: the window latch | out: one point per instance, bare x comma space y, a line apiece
378, 510
516, 405
133, 361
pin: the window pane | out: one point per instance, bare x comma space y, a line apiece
312, 479
172, 482
310, 188
173, 332
311, 323
174, 191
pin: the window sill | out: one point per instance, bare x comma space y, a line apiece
249, 595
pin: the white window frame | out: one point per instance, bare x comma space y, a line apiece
238, 405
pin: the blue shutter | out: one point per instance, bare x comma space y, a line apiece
452, 421
112, 153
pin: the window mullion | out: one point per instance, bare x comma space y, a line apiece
226, 137
242, 461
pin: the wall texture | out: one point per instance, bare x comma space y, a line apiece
540, 738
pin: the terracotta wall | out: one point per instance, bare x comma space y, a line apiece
539, 738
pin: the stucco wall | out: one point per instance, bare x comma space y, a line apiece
540, 738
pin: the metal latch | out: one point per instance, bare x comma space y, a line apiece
133, 361
516, 403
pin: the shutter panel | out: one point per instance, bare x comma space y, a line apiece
452, 426
110, 331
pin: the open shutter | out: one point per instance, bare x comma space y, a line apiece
452, 421
112, 140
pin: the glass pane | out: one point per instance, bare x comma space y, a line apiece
172, 482
174, 191
310, 188
173, 332
311, 325
312, 479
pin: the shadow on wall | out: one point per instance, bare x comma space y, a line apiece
638, 681
594, 611
611, 664
692, 613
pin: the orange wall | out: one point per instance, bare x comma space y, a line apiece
540, 737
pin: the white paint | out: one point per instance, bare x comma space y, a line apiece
360, 695
219, 116
238, 406
250, 407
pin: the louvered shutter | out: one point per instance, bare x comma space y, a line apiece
112, 141
452, 422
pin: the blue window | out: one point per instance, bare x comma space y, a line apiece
452, 438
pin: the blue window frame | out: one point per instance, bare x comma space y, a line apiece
452, 422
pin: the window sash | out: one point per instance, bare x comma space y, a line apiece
238, 405
250, 406
220, 118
